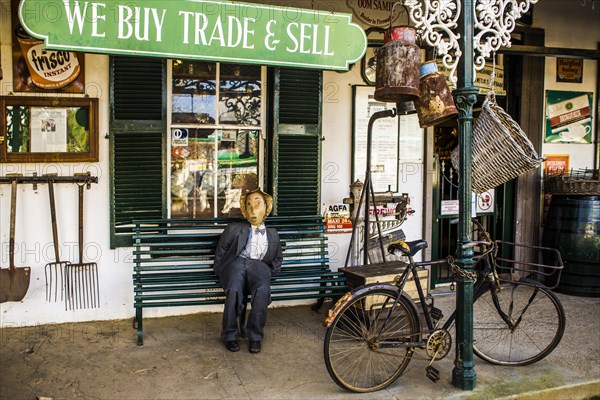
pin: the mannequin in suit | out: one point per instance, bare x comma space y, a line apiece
246, 256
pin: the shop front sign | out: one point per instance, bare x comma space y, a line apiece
197, 29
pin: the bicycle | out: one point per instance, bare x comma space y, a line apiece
374, 330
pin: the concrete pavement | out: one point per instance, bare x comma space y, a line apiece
182, 358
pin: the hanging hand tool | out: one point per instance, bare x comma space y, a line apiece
54, 271
82, 279
14, 282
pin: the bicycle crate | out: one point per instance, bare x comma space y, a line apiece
385, 273
541, 265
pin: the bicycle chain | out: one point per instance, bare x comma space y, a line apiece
458, 271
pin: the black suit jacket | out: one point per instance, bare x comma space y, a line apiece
233, 241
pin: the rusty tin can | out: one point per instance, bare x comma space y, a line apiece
398, 61
436, 103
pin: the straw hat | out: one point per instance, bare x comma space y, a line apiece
268, 201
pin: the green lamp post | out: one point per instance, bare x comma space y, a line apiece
464, 33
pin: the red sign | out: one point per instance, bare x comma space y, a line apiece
556, 164
336, 224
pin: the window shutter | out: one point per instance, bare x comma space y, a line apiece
137, 88
297, 141
299, 96
137, 144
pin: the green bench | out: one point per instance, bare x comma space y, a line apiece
173, 264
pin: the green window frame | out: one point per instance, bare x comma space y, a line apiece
137, 144
297, 141
217, 126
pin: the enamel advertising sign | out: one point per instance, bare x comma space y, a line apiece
197, 29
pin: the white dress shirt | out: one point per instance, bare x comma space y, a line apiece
257, 244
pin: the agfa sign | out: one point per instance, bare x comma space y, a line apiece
198, 29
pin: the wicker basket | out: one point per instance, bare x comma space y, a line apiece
501, 150
580, 182
375, 243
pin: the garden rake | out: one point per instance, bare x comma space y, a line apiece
82, 278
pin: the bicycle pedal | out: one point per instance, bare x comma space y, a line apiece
436, 313
432, 373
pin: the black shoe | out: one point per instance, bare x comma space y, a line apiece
254, 347
232, 345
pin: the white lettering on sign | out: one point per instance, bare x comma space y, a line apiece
236, 31
248, 33
217, 34
97, 16
76, 14
270, 42
302, 35
140, 22
145, 24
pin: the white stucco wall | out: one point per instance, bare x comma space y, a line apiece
33, 233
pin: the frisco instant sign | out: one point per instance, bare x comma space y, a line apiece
49, 69
198, 29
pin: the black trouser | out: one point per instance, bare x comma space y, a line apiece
243, 276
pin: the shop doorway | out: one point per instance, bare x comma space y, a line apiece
494, 208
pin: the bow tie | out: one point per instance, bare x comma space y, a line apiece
262, 231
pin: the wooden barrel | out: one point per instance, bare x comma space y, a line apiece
573, 227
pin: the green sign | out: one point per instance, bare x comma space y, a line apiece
197, 29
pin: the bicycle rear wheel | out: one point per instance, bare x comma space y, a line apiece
537, 324
367, 345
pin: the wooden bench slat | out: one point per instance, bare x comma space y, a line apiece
217, 293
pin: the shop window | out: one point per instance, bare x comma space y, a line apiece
216, 130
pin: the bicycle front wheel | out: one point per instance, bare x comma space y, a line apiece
370, 342
533, 326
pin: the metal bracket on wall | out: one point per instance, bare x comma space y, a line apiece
79, 178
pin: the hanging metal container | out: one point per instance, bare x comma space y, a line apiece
398, 61
436, 103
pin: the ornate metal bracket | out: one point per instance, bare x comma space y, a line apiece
436, 21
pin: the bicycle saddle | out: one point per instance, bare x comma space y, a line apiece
407, 248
